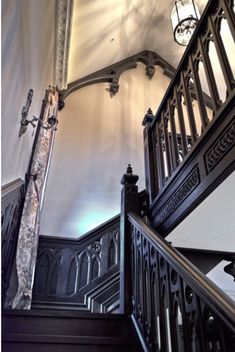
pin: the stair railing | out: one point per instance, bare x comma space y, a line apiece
174, 306
202, 86
80, 274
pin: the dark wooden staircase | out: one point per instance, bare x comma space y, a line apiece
126, 265
66, 331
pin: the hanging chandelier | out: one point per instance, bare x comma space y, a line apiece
184, 17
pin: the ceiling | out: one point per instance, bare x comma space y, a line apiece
105, 32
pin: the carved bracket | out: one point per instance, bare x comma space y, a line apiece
111, 74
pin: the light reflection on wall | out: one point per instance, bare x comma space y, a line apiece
94, 218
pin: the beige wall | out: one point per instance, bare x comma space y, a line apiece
97, 137
27, 62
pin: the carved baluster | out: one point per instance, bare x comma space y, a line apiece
175, 152
189, 107
167, 145
160, 160
223, 59
129, 202
216, 102
199, 94
184, 144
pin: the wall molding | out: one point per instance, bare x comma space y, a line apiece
64, 12
112, 73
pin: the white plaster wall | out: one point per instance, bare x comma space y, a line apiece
97, 137
27, 62
212, 224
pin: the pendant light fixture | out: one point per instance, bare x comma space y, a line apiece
184, 17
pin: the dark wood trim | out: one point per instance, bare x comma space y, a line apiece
113, 72
216, 299
210, 161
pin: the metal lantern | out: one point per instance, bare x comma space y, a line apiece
184, 17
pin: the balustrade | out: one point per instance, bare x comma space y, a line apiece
175, 307
201, 88
73, 272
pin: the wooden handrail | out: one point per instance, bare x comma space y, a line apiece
211, 294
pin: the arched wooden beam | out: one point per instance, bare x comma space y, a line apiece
112, 73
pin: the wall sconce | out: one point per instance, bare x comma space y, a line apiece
51, 123
184, 17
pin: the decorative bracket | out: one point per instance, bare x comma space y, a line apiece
111, 74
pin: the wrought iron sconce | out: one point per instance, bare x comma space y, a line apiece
51, 121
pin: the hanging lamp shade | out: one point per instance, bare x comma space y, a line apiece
184, 17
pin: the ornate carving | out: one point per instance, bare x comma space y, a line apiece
150, 70
114, 87
113, 72
148, 117
63, 24
221, 147
129, 178
70, 273
183, 191
161, 295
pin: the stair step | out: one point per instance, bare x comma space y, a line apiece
57, 331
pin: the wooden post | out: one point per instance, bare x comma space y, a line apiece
129, 203
149, 161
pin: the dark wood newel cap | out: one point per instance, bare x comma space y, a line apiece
148, 117
129, 178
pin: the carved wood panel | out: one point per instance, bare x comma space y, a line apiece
70, 272
169, 309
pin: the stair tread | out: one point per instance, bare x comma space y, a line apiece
63, 314
68, 339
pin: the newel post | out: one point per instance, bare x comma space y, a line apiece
129, 203
149, 160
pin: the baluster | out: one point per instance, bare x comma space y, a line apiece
199, 94
184, 317
230, 17
225, 66
189, 107
216, 102
150, 157
181, 124
167, 146
175, 152
160, 161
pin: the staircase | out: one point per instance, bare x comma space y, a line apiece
152, 296
60, 331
